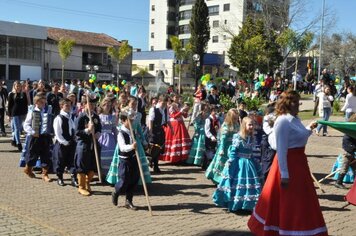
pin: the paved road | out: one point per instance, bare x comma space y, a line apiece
180, 196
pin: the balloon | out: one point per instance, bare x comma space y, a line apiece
117, 89
337, 80
123, 82
204, 82
93, 77
207, 77
262, 83
91, 81
103, 86
108, 87
202, 78
261, 78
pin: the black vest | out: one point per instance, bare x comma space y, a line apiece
212, 126
157, 122
65, 128
127, 141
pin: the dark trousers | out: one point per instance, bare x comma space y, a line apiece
158, 138
316, 104
347, 158
64, 157
2, 120
39, 148
129, 177
267, 156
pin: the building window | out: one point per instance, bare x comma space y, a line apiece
225, 22
152, 21
152, 35
215, 23
227, 7
215, 39
215, 52
153, 8
151, 67
185, 15
152, 48
214, 10
225, 37
184, 29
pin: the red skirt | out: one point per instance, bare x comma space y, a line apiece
293, 210
178, 142
351, 195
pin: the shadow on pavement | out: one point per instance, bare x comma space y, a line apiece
326, 208
333, 197
225, 233
165, 189
193, 207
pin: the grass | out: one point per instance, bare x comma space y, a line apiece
308, 115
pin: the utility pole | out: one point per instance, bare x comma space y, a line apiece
321, 39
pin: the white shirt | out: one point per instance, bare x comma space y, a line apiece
207, 127
151, 114
27, 125
350, 103
269, 130
324, 100
57, 127
121, 141
289, 133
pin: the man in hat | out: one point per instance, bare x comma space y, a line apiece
85, 162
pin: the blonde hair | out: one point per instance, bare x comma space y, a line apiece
243, 130
229, 119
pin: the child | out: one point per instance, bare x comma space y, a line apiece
85, 162
128, 167
228, 129
177, 138
40, 140
198, 98
240, 186
211, 128
197, 151
64, 148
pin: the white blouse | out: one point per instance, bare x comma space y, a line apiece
289, 133
350, 103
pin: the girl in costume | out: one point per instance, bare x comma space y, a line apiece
108, 135
197, 150
240, 184
228, 129
178, 141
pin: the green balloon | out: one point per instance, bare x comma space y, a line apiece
261, 78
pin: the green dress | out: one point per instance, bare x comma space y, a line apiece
113, 174
216, 166
197, 150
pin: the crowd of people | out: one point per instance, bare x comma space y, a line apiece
83, 130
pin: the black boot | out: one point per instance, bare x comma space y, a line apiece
74, 180
19, 147
339, 182
114, 198
60, 180
130, 205
13, 143
155, 166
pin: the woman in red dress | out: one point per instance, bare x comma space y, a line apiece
178, 141
288, 204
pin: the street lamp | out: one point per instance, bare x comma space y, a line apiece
321, 40
92, 69
196, 59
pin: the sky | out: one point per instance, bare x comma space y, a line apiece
129, 19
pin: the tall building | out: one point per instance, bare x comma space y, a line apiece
171, 17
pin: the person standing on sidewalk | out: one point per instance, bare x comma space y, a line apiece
288, 204
325, 108
17, 108
3, 101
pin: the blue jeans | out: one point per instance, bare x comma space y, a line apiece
326, 116
16, 127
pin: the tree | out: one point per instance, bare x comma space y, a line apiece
119, 54
181, 54
251, 49
142, 71
200, 32
297, 43
65, 48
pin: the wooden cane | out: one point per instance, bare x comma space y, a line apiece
334, 172
95, 145
317, 183
140, 169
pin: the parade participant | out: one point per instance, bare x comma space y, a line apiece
325, 108
108, 135
349, 146
53, 98
142, 103
241, 110
128, 167
213, 97
198, 98
85, 163
211, 128
288, 203
177, 138
240, 184
73, 107
228, 129
64, 148
197, 150
3, 101
17, 108
158, 118
40, 140
350, 103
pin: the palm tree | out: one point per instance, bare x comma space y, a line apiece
141, 71
65, 48
119, 54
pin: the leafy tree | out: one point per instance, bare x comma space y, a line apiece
65, 48
297, 43
119, 54
181, 54
142, 71
200, 32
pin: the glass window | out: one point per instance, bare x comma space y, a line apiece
214, 10
184, 29
20, 48
37, 50
225, 22
215, 39
215, 23
225, 37
29, 49
227, 7
152, 35
2, 46
151, 67
153, 8
185, 15
152, 21
152, 48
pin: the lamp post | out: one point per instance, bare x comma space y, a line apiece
321, 39
196, 59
